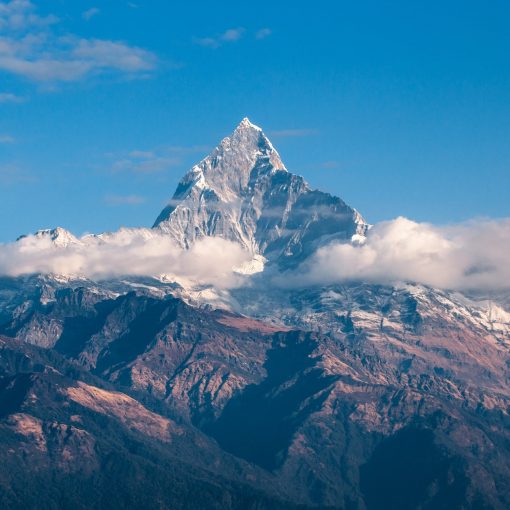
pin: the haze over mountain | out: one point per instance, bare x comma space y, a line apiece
256, 348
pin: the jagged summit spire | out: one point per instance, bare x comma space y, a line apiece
238, 153
249, 139
247, 124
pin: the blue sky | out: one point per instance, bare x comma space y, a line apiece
400, 108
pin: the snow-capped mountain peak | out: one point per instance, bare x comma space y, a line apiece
59, 236
243, 192
229, 167
247, 124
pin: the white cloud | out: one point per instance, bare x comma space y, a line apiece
472, 255
263, 33
126, 252
229, 36
232, 34
31, 46
90, 13
6, 97
113, 55
6, 139
19, 15
208, 42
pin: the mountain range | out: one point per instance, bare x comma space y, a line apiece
152, 390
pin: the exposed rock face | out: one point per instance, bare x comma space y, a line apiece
411, 328
243, 192
126, 409
318, 410
67, 443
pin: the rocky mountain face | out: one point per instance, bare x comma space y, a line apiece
354, 396
322, 414
242, 192
70, 440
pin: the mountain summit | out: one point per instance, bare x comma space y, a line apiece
243, 192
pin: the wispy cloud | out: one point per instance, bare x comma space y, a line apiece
31, 47
188, 149
263, 33
291, 133
229, 36
144, 163
329, 165
232, 34
153, 161
90, 13
124, 200
7, 97
11, 173
20, 15
6, 139
136, 154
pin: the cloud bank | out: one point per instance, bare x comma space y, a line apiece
472, 255
139, 252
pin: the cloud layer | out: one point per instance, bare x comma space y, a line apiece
472, 255
126, 252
